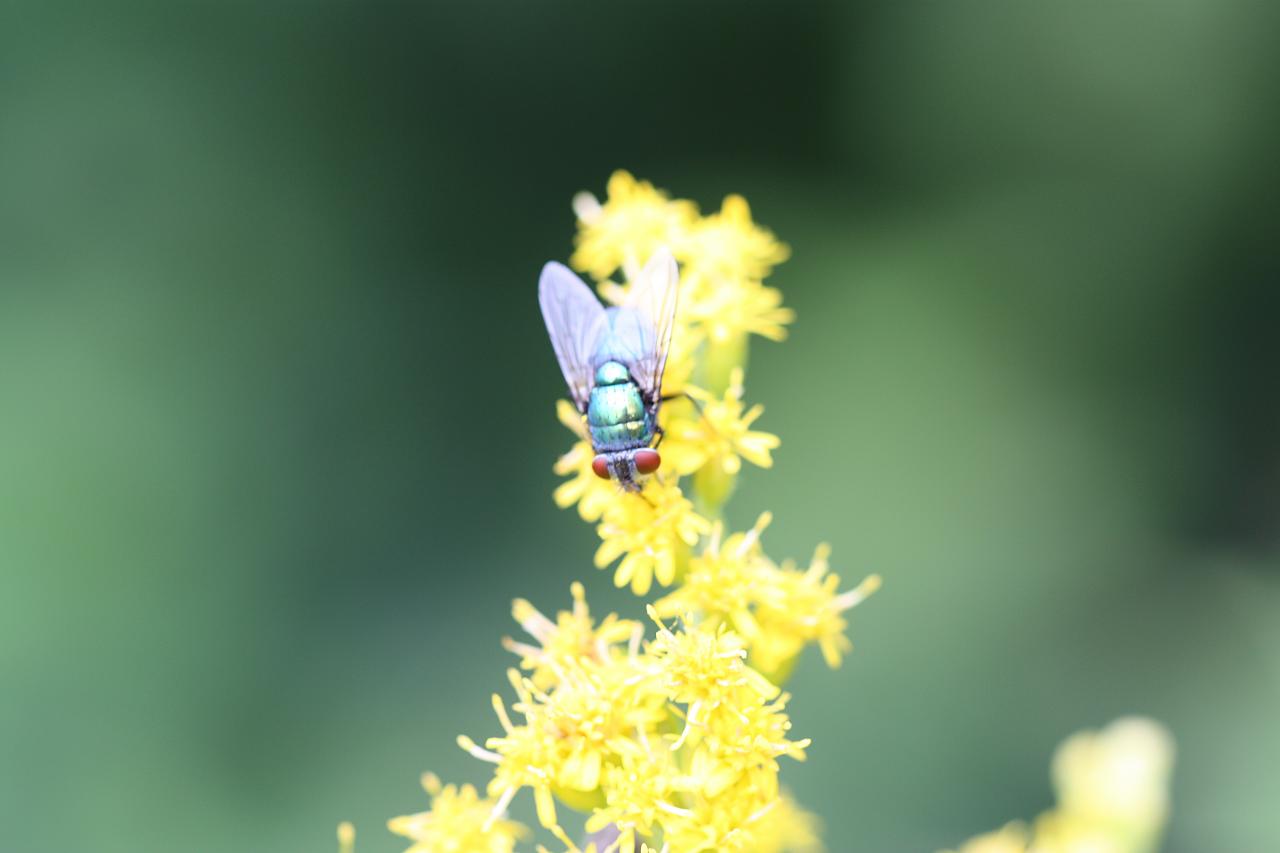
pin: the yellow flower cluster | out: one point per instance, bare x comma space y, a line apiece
676, 737
724, 257
459, 821
671, 738
779, 609
1113, 795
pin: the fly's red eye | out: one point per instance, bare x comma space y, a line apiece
601, 466
647, 461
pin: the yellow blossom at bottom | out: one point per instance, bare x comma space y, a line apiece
459, 821
747, 818
674, 740
1117, 777
787, 828
1113, 795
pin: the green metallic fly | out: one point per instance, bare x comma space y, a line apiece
613, 359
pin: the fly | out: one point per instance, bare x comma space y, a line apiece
612, 360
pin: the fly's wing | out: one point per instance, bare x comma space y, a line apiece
575, 320
644, 323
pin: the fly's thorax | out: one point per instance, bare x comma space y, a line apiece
612, 373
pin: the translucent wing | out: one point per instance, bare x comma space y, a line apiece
643, 325
575, 320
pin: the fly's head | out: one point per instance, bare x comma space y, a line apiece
626, 466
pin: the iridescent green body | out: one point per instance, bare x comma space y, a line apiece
617, 416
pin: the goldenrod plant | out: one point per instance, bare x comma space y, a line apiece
668, 731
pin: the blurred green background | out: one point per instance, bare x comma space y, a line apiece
262, 265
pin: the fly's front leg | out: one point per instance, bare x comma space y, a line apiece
697, 404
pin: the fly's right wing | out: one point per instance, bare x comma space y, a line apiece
644, 323
575, 320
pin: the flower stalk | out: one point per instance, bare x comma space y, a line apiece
724, 357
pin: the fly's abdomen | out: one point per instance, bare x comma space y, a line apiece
616, 417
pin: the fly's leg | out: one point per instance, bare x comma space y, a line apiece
697, 404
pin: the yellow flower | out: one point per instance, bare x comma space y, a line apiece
787, 828
803, 607
728, 245
724, 582
754, 736
597, 731
777, 610
1113, 795
573, 640
706, 670
725, 309
570, 731
737, 821
633, 222
526, 760
459, 821
652, 529
721, 434
1117, 778
591, 714
1060, 832
724, 258
640, 791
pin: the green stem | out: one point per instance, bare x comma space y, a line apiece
712, 485
712, 488
721, 358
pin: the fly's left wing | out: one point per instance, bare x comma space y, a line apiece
575, 320
642, 326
